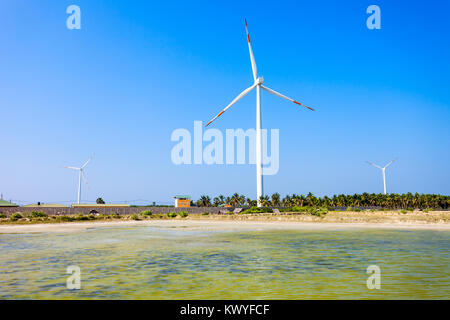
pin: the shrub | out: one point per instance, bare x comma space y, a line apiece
38, 214
319, 212
403, 211
91, 217
2, 215
171, 214
257, 210
296, 209
135, 217
349, 209
146, 213
67, 218
16, 216
356, 209
80, 216
183, 214
116, 215
205, 213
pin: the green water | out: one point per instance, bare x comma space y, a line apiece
178, 263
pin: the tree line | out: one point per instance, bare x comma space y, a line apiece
388, 201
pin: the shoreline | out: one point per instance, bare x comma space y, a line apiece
218, 224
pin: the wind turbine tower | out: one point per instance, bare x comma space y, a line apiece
383, 171
81, 175
258, 84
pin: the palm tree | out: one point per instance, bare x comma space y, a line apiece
251, 203
286, 202
276, 199
265, 202
392, 201
237, 200
204, 201
310, 199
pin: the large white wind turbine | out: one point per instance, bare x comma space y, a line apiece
80, 174
383, 171
258, 81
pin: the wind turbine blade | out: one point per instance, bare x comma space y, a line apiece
252, 58
390, 163
239, 97
74, 168
284, 97
373, 164
85, 179
86, 163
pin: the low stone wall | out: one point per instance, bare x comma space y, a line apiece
127, 210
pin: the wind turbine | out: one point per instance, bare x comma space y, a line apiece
383, 171
258, 84
81, 173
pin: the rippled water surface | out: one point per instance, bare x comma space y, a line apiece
178, 263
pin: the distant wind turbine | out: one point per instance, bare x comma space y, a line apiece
258, 81
383, 171
80, 174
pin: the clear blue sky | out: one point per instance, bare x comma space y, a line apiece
137, 70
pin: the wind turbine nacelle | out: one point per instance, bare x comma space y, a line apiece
260, 80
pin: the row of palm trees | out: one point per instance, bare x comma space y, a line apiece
390, 201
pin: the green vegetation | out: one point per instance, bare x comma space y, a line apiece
404, 211
183, 214
146, 213
2, 215
371, 200
81, 217
171, 214
205, 213
315, 211
135, 217
257, 210
204, 201
319, 212
100, 201
38, 214
15, 216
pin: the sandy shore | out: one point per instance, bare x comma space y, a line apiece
217, 224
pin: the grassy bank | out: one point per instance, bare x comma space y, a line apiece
37, 217
299, 214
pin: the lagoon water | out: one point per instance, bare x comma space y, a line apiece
178, 263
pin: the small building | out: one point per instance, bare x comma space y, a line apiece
4, 203
45, 205
182, 201
103, 205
